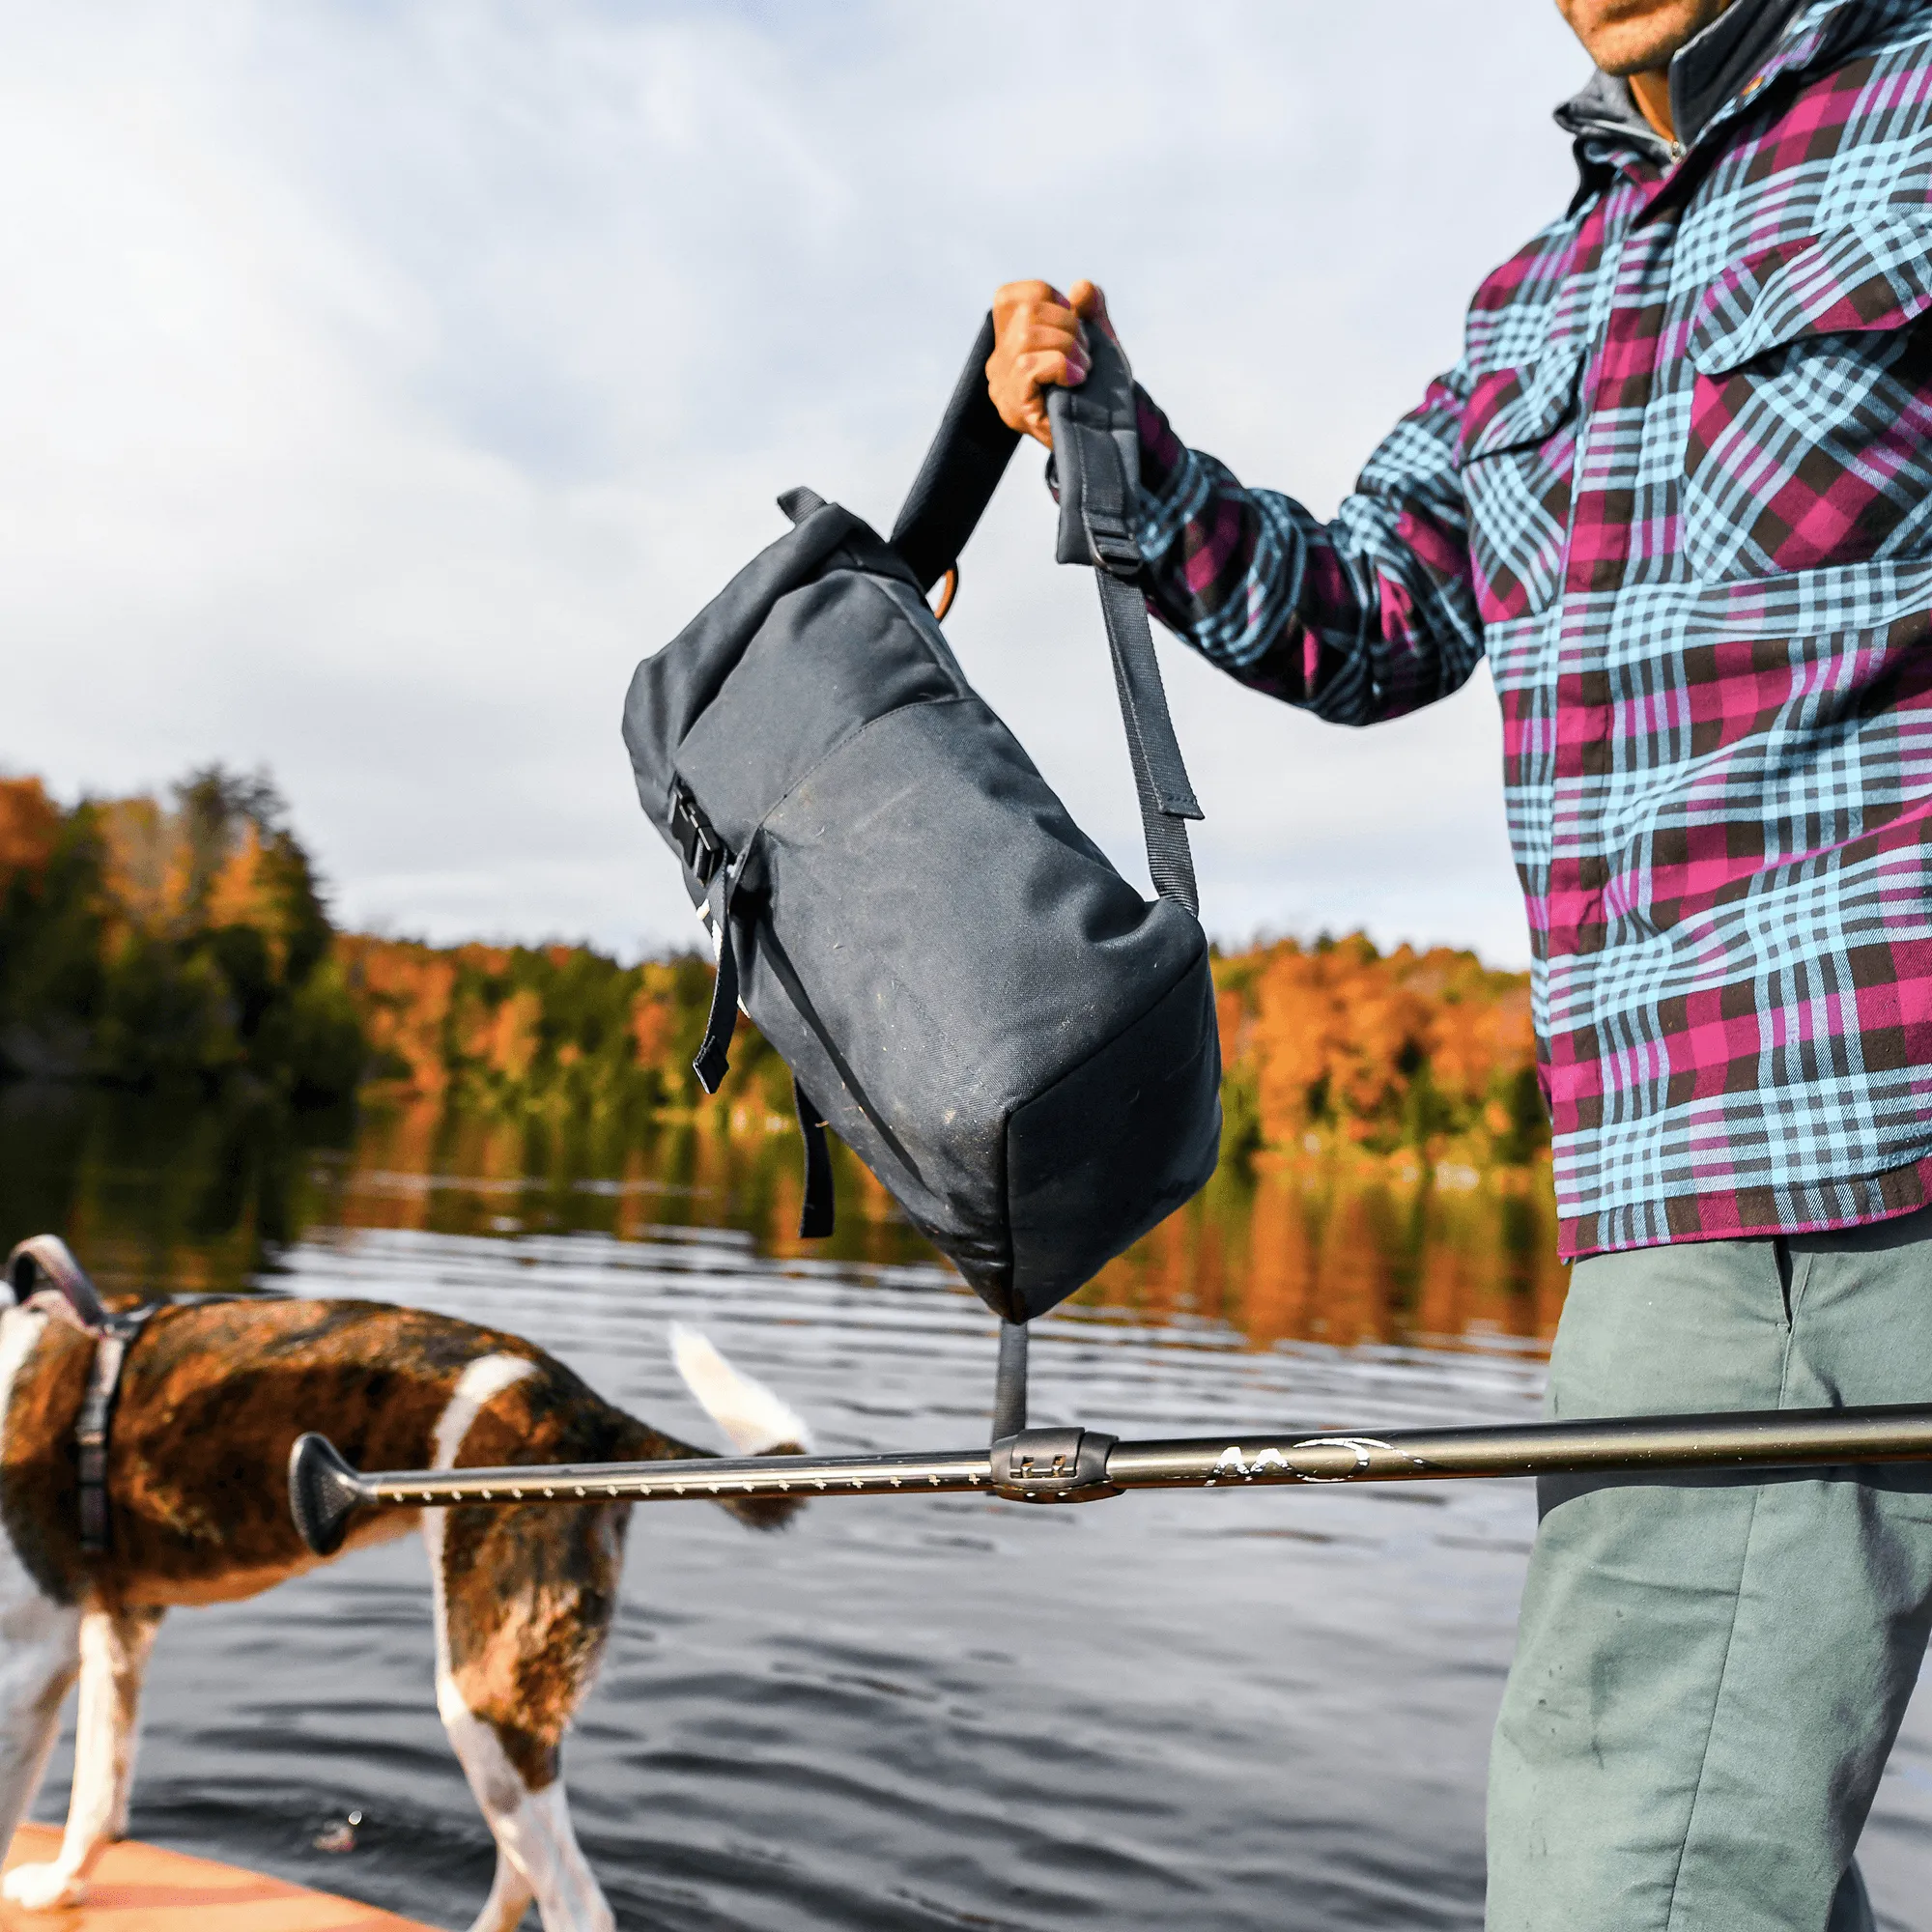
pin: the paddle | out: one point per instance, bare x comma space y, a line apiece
1073, 1466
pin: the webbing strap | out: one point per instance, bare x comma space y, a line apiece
1096, 462
713, 1060
816, 1215
1166, 797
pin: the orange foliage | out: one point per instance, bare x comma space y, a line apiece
29, 825
653, 1026
146, 866
1331, 1043
158, 881
503, 1039
170, 941
1379, 1050
1471, 1042
402, 990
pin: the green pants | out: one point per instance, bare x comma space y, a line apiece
1710, 1671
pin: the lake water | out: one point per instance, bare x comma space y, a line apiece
1215, 1710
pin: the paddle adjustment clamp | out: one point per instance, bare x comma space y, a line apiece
1040, 1466
1053, 1465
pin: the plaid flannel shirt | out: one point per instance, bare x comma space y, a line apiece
1679, 489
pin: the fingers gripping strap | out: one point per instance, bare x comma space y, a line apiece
960, 472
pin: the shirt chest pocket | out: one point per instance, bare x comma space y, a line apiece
1810, 431
1517, 457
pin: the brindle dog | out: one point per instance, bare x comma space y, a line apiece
212, 1398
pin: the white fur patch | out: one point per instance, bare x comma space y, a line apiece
749, 1414
532, 1829
40, 1639
476, 1388
26, 1617
480, 1384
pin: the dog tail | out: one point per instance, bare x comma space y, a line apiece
755, 1420
758, 1421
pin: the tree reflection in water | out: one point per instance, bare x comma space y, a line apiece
1344, 1248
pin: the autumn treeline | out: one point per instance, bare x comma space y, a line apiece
555, 1028
1328, 1046
147, 942
1336, 1043
169, 942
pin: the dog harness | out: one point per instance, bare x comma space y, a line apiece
70, 1297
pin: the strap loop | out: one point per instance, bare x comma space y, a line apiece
50, 1257
713, 1059
817, 1213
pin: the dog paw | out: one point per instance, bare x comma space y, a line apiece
42, 1888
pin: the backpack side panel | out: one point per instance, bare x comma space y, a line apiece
1106, 1152
1020, 1045
956, 944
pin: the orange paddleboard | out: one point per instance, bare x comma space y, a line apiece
142, 1888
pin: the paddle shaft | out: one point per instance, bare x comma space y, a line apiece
1075, 1465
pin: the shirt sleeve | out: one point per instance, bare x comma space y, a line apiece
1360, 619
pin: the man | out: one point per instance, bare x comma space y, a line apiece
1679, 491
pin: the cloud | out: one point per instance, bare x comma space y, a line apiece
382, 381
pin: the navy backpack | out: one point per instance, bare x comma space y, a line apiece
1020, 1046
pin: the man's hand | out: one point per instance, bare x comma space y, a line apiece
1039, 343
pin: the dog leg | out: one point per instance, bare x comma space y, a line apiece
510, 1897
114, 1651
537, 1854
39, 1646
40, 1637
516, 1651
523, 1597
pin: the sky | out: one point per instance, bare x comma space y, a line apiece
382, 381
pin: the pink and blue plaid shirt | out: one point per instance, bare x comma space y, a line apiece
1679, 491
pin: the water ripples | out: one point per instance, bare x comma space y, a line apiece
1221, 1711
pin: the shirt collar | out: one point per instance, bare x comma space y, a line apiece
1705, 73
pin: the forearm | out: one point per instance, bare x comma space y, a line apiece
1361, 619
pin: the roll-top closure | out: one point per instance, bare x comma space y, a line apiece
830, 657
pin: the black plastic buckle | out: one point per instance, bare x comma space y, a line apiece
1053, 1465
1113, 544
697, 842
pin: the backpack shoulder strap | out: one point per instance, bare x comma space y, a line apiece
961, 470
1096, 461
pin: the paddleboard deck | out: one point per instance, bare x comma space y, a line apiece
141, 1888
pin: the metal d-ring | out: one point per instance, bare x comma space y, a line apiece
948, 589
